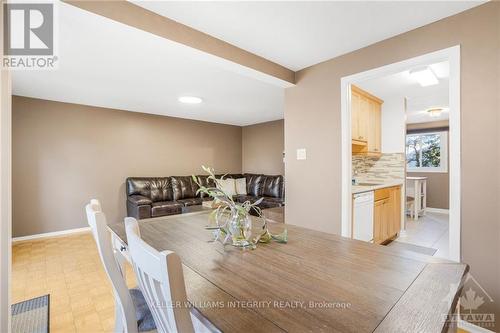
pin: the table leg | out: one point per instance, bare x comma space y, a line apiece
424, 206
417, 199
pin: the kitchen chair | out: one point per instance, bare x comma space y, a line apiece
131, 312
160, 277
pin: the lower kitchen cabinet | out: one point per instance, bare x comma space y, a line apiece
386, 214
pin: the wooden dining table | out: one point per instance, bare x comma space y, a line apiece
317, 282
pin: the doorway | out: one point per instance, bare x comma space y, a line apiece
447, 142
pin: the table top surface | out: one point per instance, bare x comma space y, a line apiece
416, 178
316, 282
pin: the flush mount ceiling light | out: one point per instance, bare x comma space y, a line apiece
435, 112
190, 100
425, 76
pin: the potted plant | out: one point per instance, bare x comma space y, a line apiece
233, 224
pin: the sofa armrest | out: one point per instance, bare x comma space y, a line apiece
139, 200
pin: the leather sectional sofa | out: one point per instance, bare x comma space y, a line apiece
159, 196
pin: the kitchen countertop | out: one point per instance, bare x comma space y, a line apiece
360, 189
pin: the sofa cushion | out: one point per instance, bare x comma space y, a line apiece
242, 198
165, 208
190, 201
272, 186
230, 175
255, 184
184, 187
204, 181
139, 200
271, 202
228, 186
241, 186
155, 188
145, 321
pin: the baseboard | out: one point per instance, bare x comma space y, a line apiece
437, 210
50, 234
469, 327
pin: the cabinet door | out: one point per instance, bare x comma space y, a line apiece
386, 220
395, 210
355, 104
378, 221
363, 118
374, 127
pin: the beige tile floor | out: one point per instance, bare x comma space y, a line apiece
430, 230
69, 269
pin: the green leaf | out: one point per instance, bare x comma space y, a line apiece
265, 237
281, 238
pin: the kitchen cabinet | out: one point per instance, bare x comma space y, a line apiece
366, 122
379, 216
386, 214
374, 127
355, 105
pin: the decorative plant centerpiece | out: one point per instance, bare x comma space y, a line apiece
233, 224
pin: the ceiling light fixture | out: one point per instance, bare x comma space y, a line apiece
190, 100
435, 112
425, 76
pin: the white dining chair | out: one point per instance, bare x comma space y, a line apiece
160, 277
131, 312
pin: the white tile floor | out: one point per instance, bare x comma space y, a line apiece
431, 230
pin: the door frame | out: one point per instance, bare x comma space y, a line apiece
5, 199
452, 55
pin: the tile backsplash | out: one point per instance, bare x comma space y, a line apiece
387, 167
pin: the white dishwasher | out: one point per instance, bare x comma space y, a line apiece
363, 216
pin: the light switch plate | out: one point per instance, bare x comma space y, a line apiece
301, 154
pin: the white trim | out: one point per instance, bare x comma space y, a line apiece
51, 234
437, 210
451, 54
454, 153
5, 195
465, 325
346, 150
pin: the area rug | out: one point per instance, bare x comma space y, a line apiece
31, 316
414, 248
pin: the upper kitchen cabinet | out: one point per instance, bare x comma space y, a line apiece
366, 122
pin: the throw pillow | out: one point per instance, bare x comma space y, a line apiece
241, 186
228, 186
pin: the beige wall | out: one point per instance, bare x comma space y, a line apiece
438, 183
438, 188
65, 154
312, 114
262, 148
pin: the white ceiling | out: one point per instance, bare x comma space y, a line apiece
298, 34
419, 99
108, 64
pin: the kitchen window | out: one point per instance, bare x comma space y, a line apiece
427, 152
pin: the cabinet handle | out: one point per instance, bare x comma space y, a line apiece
375, 149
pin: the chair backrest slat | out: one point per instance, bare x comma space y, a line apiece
97, 222
161, 280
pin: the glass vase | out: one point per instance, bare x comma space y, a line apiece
240, 227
